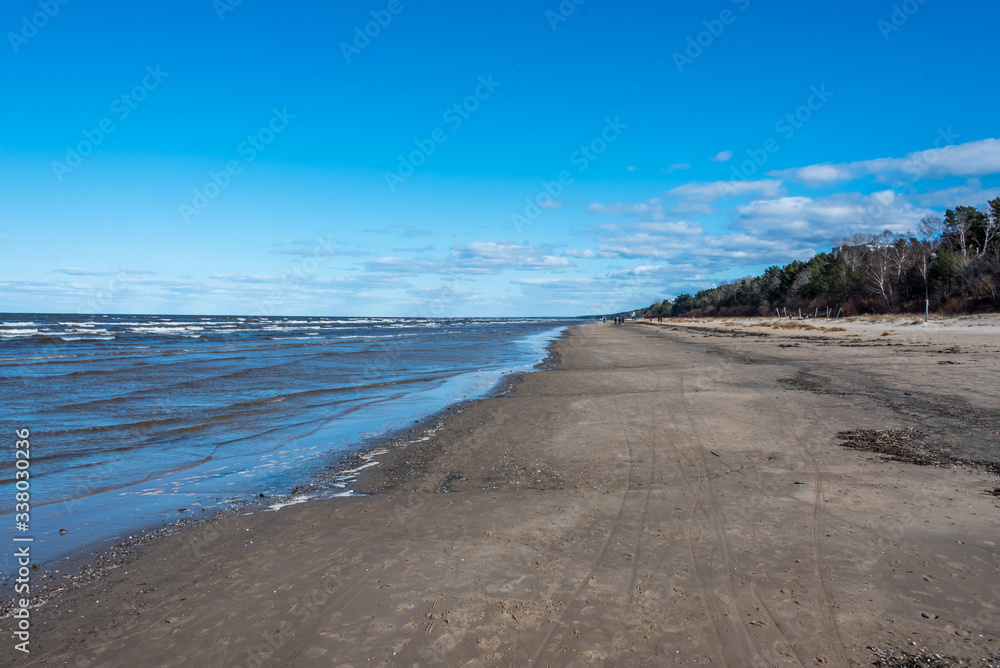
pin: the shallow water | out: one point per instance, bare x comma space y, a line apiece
134, 418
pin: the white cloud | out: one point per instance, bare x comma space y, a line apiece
657, 273
436, 300
554, 282
601, 294
120, 274
550, 204
393, 264
970, 194
976, 158
650, 209
693, 207
817, 174
481, 257
676, 227
76, 271
722, 156
505, 255
321, 247
585, 254
829, 218
718, 190
678, 166
704, 254
240, 278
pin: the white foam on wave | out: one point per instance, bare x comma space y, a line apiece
294, 501
373, 337
350, 475
158, 330
14, 333
286, 328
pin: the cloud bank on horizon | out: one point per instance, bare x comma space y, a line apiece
397, 159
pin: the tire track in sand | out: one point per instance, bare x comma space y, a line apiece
829, 623
708, 582
649, 491
573, 602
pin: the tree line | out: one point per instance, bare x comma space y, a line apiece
953, 262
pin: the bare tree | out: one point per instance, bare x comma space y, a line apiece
881, 267
900, 252
963, 227
931, 228
853, 247
992, 230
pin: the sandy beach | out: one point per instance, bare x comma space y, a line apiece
661, 494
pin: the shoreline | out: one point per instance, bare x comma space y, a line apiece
594, 496
94, 560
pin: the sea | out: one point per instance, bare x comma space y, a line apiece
138, 421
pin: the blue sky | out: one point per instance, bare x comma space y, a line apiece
517, 158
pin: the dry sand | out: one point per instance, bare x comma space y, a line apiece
663, 495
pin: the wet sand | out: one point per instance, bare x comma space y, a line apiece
662, 495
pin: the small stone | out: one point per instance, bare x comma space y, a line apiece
800, 482
63, 532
